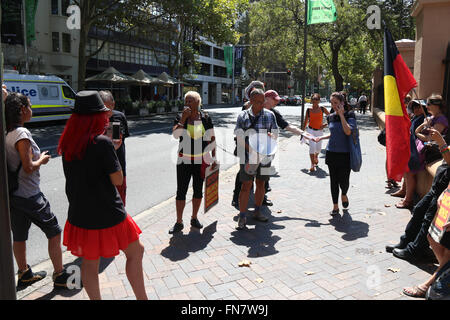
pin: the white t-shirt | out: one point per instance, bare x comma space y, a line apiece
28, 183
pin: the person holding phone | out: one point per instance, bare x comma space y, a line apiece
97, 224
341, 123
438, 120
195, 131
28, 204
119, 132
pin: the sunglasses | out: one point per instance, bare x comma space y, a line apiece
436, 102
315, 99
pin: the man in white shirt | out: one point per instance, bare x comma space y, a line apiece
362, 103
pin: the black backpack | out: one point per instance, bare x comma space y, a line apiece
13, 179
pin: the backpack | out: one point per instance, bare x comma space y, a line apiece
13, 179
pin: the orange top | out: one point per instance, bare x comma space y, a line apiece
315, 119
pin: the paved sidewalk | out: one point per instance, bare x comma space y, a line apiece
301, 253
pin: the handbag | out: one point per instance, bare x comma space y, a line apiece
355, 151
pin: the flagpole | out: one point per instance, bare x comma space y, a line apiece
25, 44
305, 38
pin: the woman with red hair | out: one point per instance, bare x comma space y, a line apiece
97, 224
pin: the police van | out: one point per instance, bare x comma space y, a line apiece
51, 97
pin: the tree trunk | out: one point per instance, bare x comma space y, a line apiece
338, 79
82, 59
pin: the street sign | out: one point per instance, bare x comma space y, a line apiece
211, 187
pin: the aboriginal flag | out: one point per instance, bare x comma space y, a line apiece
398, 81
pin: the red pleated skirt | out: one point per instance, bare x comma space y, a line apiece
93, 244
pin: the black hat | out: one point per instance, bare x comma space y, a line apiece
87, 102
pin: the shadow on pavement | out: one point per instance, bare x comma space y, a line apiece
104, 263
181, 245
352, 229
319, 173
260, 239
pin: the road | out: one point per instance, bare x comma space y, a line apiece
151, 154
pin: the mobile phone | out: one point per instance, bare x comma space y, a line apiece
116, 130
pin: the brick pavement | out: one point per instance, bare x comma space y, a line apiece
302, 253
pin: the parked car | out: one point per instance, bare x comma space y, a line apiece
291, 101
283, 100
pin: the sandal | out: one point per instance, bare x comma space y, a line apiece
391, 184
398, 194
404, 205
415, 292
312, 169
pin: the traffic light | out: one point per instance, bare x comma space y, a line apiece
288, 72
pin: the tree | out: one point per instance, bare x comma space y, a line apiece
109, 15
183, 22
346, 47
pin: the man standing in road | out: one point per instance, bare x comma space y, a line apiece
117, 116
260, 121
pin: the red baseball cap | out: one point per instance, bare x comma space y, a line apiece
272, 94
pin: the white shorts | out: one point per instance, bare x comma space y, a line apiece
314, 147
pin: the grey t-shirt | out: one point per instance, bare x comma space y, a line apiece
28, 183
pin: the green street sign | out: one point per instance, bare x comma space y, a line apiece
228, 55
321, 11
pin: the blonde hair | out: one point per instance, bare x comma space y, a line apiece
195, 95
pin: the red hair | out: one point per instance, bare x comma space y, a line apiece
80, 131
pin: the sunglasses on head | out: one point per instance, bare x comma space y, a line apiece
436, 102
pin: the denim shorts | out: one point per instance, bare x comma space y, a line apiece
244, 176
35, 209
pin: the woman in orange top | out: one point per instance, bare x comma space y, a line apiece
314, 120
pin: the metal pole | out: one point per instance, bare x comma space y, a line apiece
25, 44
7, 280
305, 38
232, 78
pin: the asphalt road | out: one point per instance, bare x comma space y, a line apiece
151, 175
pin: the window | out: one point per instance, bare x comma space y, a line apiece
48, 92
218, 54
205, 50
55, 7
68, 93
112, 51
66, 42
55, 41
220, 72
205, 70
127, 54
64, 5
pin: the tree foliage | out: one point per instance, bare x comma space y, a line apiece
347, 49
174, 25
